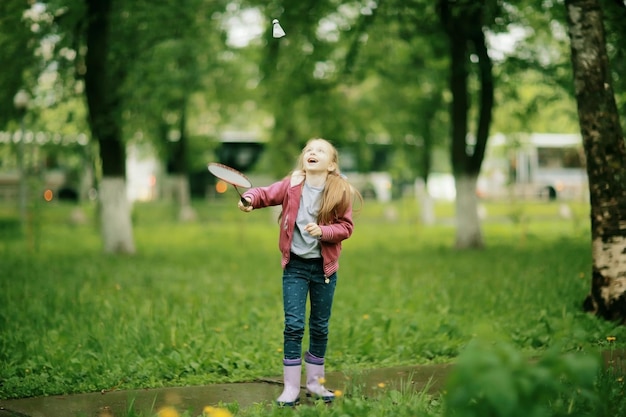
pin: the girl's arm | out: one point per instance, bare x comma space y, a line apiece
272, 195
340, 229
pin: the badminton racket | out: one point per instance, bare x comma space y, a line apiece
232, 177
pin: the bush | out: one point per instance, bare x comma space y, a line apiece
499, 381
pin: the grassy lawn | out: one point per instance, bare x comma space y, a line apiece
201, 302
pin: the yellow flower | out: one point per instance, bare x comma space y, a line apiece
610, 338
338, 393
366, 316
216, 412
167, 412
381, 385
322, 380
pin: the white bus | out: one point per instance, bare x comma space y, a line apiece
538, 165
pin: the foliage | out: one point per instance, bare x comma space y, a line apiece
17, 57
534, 80
400, 40
499, 381
172, 67
328, 77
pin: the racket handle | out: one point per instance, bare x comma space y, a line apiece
245, 202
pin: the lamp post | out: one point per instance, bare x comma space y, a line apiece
21, 100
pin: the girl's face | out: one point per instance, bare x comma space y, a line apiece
319, 156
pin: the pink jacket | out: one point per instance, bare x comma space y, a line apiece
287, 192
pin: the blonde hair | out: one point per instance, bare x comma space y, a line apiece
338, 193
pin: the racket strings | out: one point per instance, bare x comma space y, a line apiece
229, 175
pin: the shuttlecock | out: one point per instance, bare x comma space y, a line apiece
277, 31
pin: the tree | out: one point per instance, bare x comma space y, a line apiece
605, 151
463, 22
105, 71
161, 36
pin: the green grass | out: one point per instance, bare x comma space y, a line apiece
201, 302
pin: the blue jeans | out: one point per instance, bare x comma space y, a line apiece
302, 278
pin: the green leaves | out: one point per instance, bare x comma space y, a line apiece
497, 380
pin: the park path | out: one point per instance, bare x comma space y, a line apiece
195, 398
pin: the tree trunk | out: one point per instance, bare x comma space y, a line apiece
178, 191
463, 22
101, 88
425, 201
177, 167
115, 221
468, 231
605, 152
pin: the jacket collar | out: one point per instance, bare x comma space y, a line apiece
297, 177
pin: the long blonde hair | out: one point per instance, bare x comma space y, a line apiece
338, 193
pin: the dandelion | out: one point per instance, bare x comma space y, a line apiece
167, 412
322, 380
338, 393
216, 412
381, 385
366, 316
611, 339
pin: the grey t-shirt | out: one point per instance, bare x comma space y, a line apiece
303, 244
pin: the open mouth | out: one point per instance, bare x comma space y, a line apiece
312, 160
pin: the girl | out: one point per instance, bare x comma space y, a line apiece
316, 217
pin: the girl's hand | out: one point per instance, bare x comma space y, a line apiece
314, 230
245, 208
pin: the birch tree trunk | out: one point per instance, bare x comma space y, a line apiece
605, 152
